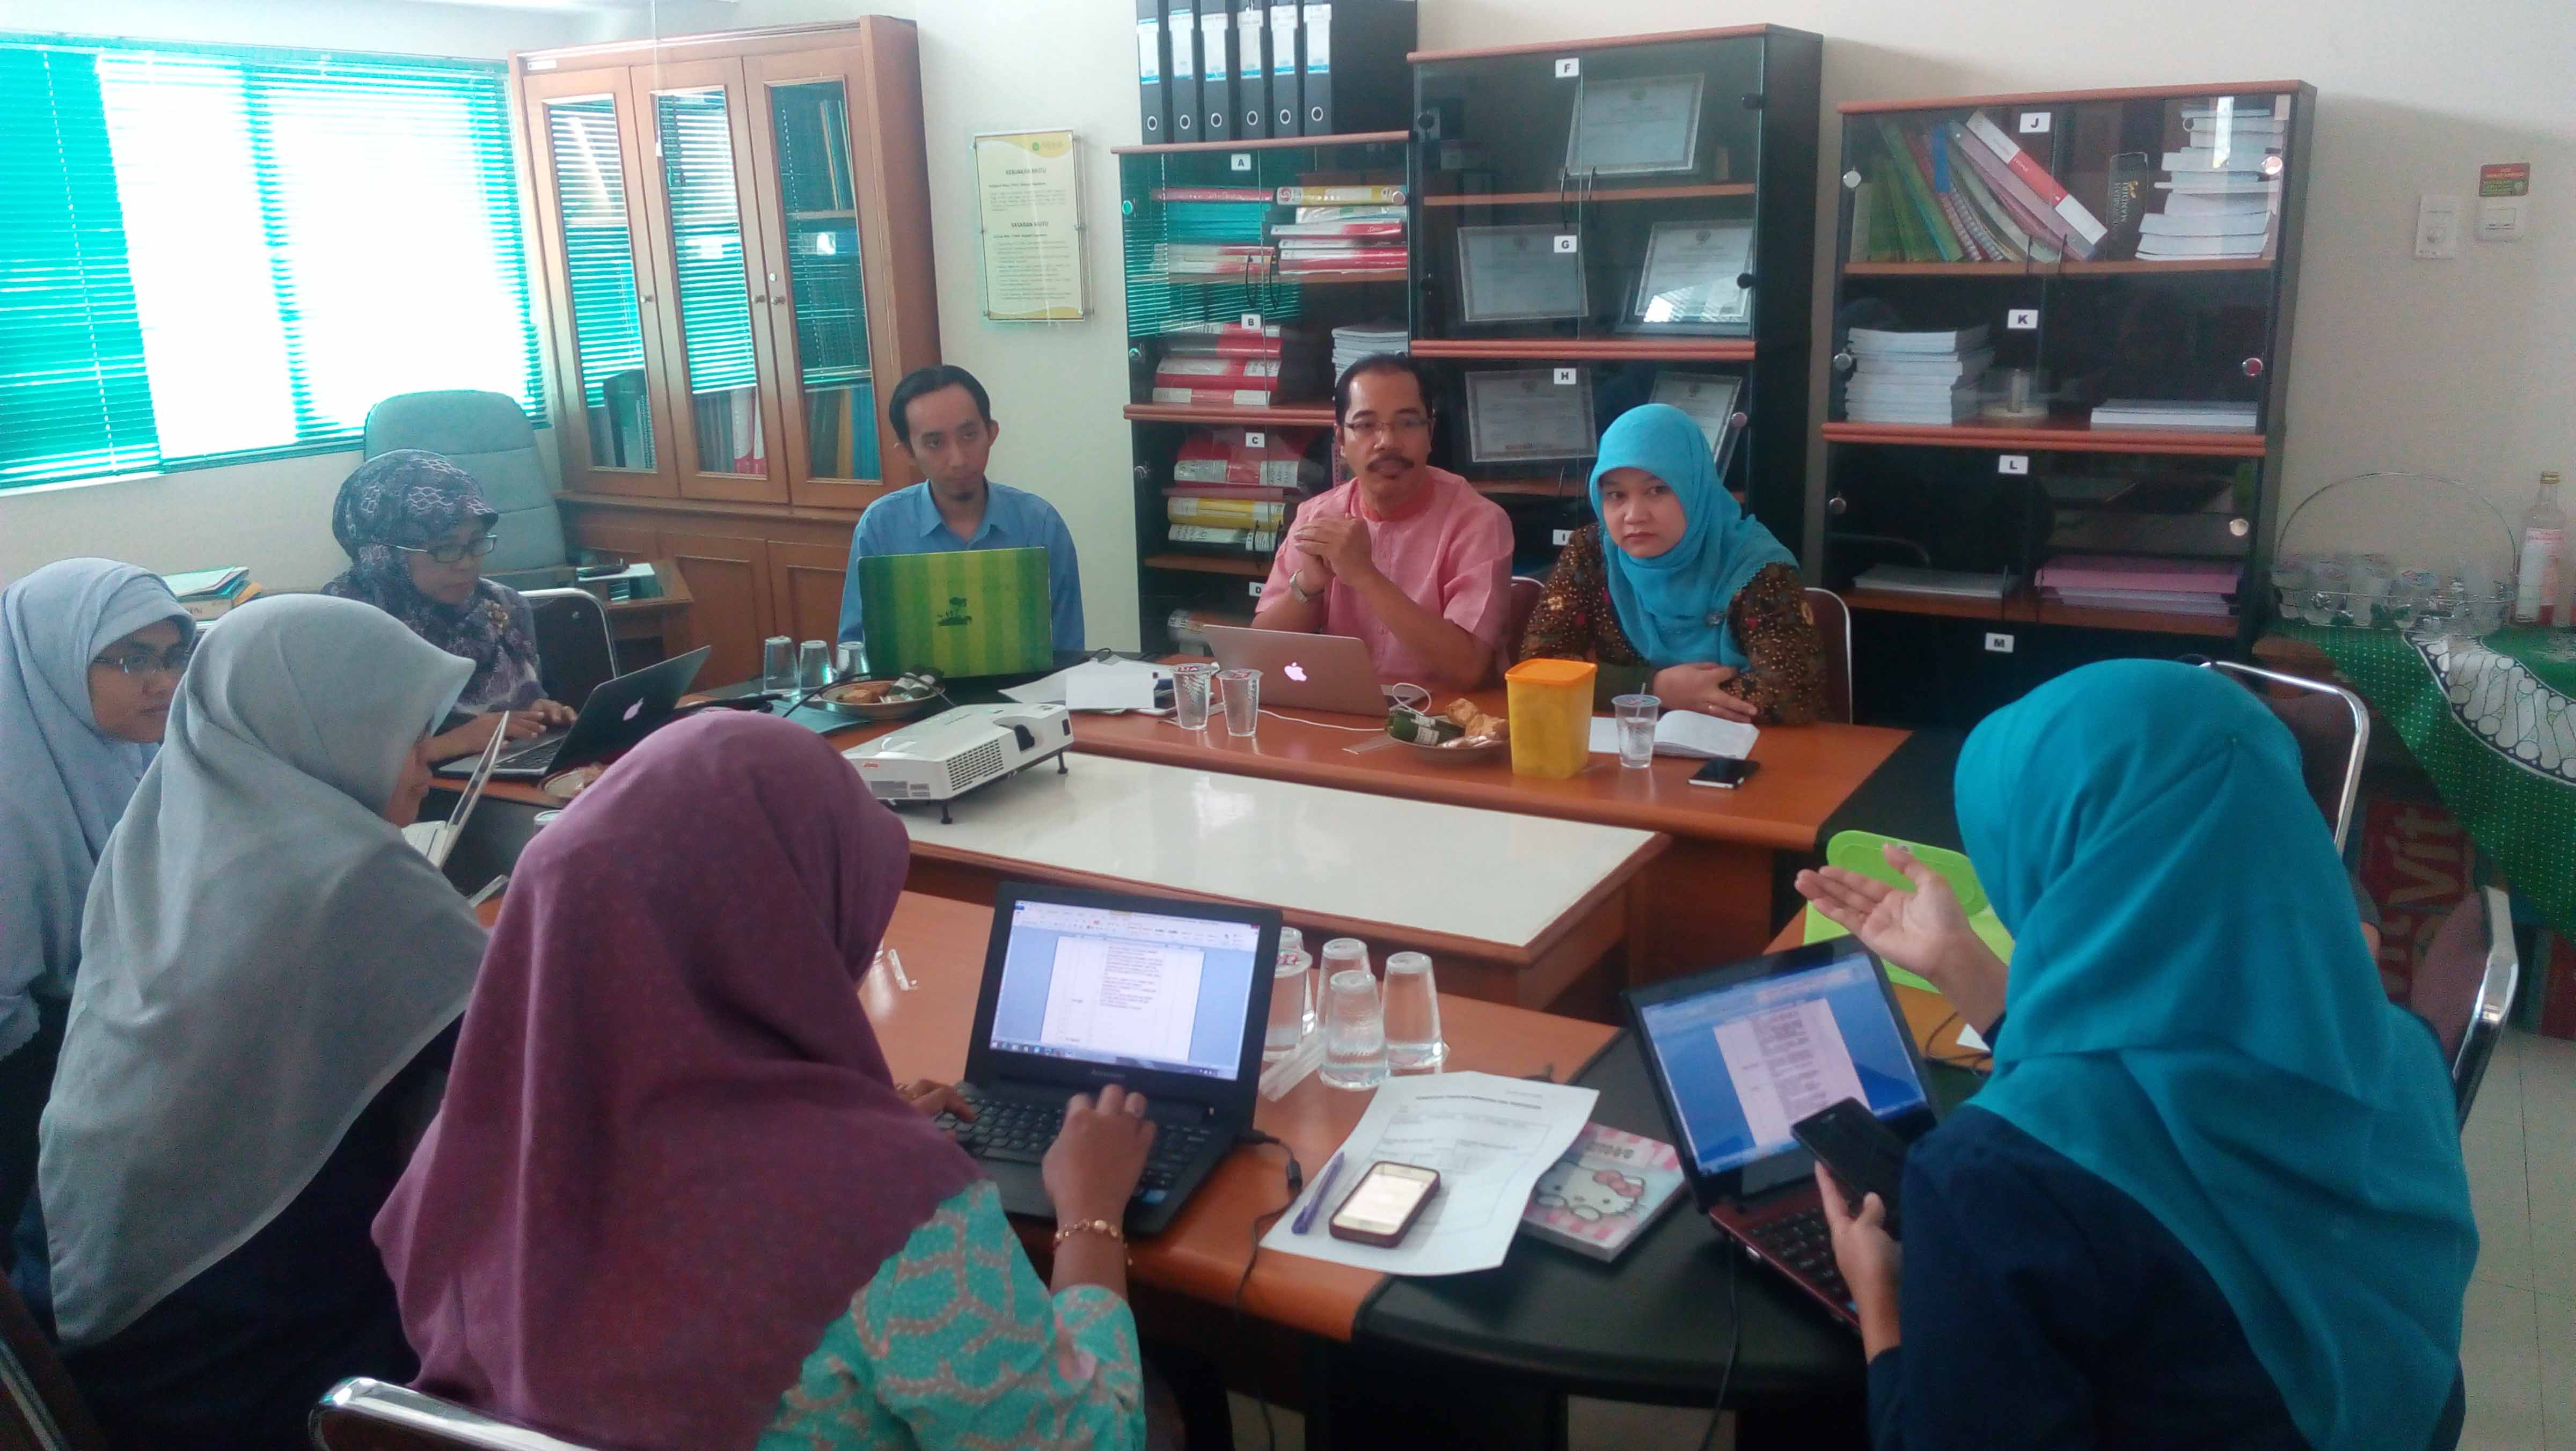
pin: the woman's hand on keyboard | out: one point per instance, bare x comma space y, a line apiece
934, 1098
470, 738
1092, 1168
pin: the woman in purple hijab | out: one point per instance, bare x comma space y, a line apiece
674, 1198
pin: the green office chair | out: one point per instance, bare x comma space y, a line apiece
488, 436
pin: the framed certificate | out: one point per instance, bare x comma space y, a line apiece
1517, 274
1692, 280
1709, 399
1527, 414
1643, 126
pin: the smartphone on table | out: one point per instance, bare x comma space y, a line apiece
1382, 1207
1865, 1156
1724, 772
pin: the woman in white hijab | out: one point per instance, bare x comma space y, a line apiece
271, 974
90, 654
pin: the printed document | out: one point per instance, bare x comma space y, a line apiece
1489, 1137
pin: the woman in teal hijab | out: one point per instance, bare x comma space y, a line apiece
1675, 592
2200, 1095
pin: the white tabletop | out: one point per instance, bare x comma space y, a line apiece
1492, 876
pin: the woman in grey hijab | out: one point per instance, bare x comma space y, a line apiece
90, 654
271, 976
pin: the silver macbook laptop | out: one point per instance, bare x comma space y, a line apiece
1303, 672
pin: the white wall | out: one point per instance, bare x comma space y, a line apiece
2461, 367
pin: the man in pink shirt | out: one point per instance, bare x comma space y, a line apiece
1408, 558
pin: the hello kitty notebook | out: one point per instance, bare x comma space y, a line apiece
1604, 1192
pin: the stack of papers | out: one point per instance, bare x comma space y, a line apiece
1915, 377
1685, 733
2174, 413
1948, 583
1358, 340
2174, 586
2223, 190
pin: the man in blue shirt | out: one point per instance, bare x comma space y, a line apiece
945, 418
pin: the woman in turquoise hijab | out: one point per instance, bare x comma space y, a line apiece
2213, 1193
1675, 593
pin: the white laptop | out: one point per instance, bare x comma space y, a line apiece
1303, 672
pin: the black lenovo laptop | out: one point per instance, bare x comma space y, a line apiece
1739, 1053
1084, 988
619, 713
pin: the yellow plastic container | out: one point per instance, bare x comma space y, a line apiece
1551, 716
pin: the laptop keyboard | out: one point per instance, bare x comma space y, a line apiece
1015, 1129
1802, 1242
538, 757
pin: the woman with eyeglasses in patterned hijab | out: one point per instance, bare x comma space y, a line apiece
416, 528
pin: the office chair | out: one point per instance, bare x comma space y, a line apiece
2464, 987
369, 1415
575, 651
2332, 727
1834, 628
488, 436
1525, 595
39, 1408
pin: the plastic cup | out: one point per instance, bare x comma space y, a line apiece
813, 665
1636, 729
1292, 1014
1354, 1032
1241, 693
1412, 1015
778, 663
849, 660
1190, 688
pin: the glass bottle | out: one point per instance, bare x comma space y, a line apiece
2544, 553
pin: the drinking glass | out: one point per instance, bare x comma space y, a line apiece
1292, 1015
1345, 954
1292, 943
1241, 690
813, 665
1354, 1031
778, 663
1636, 733
1190, 695
1412, 1014
850, 659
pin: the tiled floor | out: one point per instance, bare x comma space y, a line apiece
2519, 1342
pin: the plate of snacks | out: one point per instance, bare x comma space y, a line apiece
1463, 732
899, 699
565, 785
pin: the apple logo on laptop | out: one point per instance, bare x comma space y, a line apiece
633, 711
1296, 672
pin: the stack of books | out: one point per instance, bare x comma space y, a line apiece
2222, 191
2172, 586
1964, 191
1960, 584
1213, 232
1225, 364
1915, 377
211, 594
2174, 413
1366, 237
1232, 488
1354, 341
1215, 259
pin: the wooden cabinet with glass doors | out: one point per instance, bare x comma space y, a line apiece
735, 236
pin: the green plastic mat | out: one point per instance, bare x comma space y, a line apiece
1858, 851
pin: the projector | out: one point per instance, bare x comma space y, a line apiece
949, 754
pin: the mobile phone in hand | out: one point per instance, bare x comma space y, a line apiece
1865, 1156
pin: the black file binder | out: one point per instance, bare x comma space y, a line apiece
1181, 68
1153, 62
1217, 121
1252, 69
1285, 65
1356, 77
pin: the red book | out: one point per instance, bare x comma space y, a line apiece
1216, 397
1372, 260
1206, 371
1338, 229
2036, 176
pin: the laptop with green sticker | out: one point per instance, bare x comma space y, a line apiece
962, 613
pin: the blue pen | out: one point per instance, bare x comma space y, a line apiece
1323, 1186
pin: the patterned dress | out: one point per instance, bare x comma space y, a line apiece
956, 1343
1576, 621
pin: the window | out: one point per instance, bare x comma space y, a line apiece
210, 253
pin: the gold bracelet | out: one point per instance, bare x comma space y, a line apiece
1090, 1226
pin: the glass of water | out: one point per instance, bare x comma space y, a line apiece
1241, 692
1636, 730
778, 663
1190, 686
1292, 1014
1354, 1031
849, 660
1412, 1014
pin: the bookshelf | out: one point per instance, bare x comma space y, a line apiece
1504, 166
2167, 275
1200, 195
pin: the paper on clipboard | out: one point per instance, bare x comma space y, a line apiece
1489, 1137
